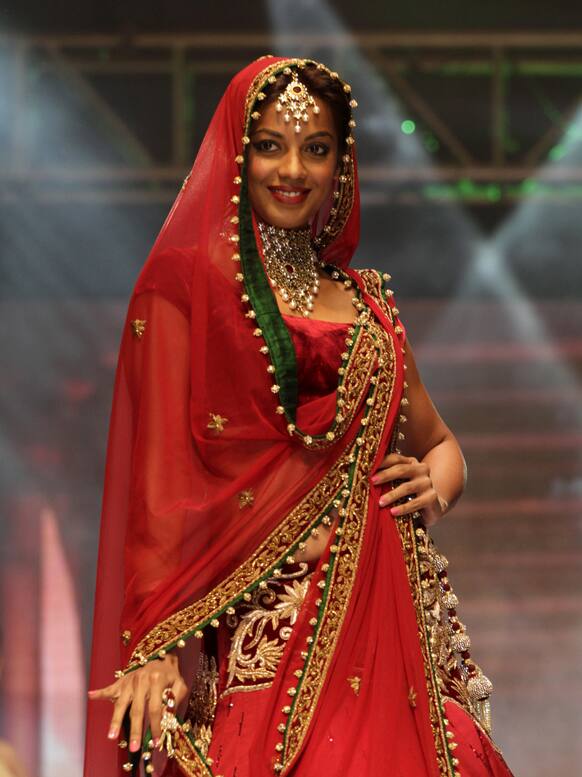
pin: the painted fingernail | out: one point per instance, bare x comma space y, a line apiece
113, 732
374, 479
133, 746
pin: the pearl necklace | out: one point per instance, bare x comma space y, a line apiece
292, 265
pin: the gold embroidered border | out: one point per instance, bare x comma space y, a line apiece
374, 285
187, 758
409, 541
272, 551
346, 560
356, 380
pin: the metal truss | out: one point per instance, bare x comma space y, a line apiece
398, 57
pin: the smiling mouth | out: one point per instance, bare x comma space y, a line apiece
289, 196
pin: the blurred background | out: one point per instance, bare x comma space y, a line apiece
470, 146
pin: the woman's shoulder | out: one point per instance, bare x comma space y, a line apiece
169, 273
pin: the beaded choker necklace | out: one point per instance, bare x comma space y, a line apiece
291, 264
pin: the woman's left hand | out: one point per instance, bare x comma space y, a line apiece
417, 482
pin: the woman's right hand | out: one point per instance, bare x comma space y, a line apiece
138, 689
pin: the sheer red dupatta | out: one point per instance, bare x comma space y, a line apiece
214, 475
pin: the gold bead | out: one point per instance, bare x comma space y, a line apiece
239, 159
351, 123
198, 634
257, 332
127, 767
239, 277
215, 623
330, 436
270, 369
122, 744
279, 410
250, 314
234, 238
291, 428
162, 653
255, 115
235, 199
237, 180
181, 643
264, 349
308, 439
347, 88
261, 96
235, 257
275, 388
246, 140
234, 219
353, 104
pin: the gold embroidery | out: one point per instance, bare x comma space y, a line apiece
185, 181
138, 326
355, 684
217, 422
202, 702
346, 559
261, 629
126, 637
412, 697
246, 498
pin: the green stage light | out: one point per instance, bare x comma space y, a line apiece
408, 126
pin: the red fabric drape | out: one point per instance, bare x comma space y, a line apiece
206, 489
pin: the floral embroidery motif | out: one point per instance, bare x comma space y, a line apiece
355, 684
138, 325
126, 637
246, 498
217, 422
412, 697
261, 628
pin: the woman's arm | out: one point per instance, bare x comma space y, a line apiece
431, 463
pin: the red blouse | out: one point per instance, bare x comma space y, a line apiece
318, 348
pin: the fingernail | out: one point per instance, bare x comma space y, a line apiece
374, 479
113, 732
133, 746
393, 512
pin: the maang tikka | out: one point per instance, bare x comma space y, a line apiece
296, 102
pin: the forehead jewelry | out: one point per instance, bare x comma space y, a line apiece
295, 101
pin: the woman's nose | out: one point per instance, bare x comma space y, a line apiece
292, 166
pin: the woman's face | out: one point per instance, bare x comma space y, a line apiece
290, 174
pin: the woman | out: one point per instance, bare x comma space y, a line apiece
267, 590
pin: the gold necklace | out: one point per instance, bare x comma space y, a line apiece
291, 264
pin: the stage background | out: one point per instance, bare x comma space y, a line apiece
470, 141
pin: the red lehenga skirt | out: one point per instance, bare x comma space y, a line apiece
248, 648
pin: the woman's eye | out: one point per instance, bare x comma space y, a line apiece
318, 149
265, 145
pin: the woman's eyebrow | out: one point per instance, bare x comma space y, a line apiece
273, 133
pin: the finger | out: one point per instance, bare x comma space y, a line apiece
180, 689
392, 458
412, 505
140, 695
155, 704
403, 471
416, 486
119, 710
108, 692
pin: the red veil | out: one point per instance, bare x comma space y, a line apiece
215, 474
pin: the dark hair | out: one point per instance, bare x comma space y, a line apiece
322, 85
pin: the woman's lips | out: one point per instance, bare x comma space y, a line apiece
289, 196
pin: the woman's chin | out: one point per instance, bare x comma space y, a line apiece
285, 220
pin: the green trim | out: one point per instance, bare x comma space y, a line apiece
268, 317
